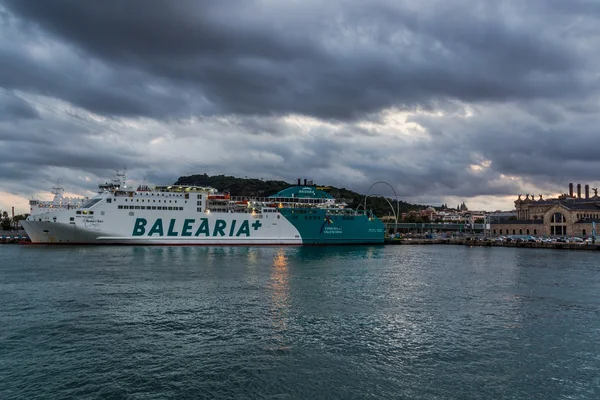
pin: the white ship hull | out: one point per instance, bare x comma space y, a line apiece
223, 229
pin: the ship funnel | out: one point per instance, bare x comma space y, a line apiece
570, 190
587, 191
579, 190
305, 181
299, 181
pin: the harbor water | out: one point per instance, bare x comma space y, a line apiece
381, 322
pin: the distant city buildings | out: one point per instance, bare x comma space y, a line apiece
571, 214
460, 215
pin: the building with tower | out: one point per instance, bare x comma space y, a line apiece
570, 214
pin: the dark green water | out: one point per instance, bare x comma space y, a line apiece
396, 322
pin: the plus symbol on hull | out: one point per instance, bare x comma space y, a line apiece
256, 225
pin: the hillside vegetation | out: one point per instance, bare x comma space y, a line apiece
260, 188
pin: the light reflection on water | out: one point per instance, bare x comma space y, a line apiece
280, 290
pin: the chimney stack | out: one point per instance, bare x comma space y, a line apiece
587, 191
570, 189
579, 190
305, 182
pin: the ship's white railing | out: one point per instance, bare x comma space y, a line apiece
257, 208
307, 200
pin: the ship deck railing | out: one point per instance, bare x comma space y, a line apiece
258, 211
306, 200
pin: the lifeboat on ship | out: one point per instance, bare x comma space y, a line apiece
225, 196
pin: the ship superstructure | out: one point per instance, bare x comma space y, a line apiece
59, 202
195, 215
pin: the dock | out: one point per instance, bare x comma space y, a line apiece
13, 237
489, 243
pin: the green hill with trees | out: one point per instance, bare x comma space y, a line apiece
262, 188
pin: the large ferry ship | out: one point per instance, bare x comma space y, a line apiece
193, 215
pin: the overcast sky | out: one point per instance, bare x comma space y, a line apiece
448, 100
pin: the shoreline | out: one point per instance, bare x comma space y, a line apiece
479, 243
421, 242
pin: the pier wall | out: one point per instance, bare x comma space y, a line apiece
464, 242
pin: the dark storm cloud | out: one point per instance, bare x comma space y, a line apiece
119, 92
342, 60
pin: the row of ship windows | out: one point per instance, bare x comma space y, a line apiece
346, 217
154, 201
304, 211
149, 208
160, 194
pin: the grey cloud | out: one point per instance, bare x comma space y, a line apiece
546, 152
345, 61
14, 109
118, 92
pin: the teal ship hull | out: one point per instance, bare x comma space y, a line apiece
329, 227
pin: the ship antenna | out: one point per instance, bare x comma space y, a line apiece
124, 176
121, 177
57, 190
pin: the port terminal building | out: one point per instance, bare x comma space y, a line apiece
570, 214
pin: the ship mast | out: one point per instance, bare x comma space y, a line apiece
116, 183
57, 191
120, 178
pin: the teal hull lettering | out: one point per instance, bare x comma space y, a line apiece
219, 227
172, 231
187, 227
244, 229
203, 228
140, 227
156, 228
232, 229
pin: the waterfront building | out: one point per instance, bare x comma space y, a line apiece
428, 213
571, 214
